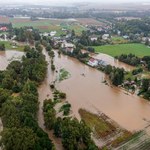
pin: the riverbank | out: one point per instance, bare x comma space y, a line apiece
80, 93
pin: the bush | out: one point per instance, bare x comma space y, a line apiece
62, 95
53, 67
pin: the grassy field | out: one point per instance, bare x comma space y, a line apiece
98, 124
118, 40
116, 50
47, 25
8, 46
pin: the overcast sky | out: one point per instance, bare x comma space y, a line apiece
69, 1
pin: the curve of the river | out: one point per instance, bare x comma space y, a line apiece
129, 111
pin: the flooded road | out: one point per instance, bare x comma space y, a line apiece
112, 61
88, 92
7, 56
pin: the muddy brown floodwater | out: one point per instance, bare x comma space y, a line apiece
129, 111
7, 56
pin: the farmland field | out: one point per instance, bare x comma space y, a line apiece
4, 19
90, 21
118, 40
116, 50
47, 25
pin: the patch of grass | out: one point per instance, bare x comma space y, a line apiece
58, 95
139, 50
138, 141
118, 40
129, 75
9, 46
100, 127
63, 74
124, 137
47, 25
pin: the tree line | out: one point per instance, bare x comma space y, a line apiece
19, 103
74, 134
133, 60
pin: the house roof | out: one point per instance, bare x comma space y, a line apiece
68, 45
92, 60
3, 28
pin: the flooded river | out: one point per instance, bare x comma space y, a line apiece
129, 111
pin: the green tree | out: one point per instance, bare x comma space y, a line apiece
19, 138
147, 42
2, 47
4, 95
50, 118
48, 48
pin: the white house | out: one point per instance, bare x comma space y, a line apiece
145, 38
125, 36
105, 36
94, 38
68, 47
45, 34
93, 62
53, 33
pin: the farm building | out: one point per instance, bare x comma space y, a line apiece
102, 63
3, 29
94, 38
93, 62
67, 47
53, 33
105, 36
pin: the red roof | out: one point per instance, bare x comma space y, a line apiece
3, 28
92, 59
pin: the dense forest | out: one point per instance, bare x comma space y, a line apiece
19, 103
26, 34
74, 134
133, 60
130, 59
138, 26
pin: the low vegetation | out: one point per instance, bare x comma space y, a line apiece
59, 95
65, 109
130, 59
139, 50
119, 40
121, 139
74, 134
63, 74
47, 25
7, 45
98, 124
2, 47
